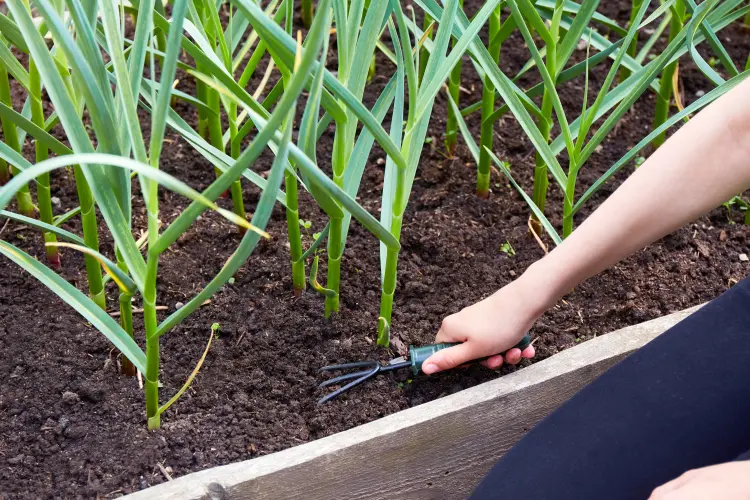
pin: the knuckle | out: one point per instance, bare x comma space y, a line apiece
448, 322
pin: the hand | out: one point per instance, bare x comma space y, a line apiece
730, 481
488, 328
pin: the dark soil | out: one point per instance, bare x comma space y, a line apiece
71, 426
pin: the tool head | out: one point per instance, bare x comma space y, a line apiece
368, 370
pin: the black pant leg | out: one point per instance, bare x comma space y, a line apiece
680, 402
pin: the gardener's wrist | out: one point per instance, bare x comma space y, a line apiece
540, 287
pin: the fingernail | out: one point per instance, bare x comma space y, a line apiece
429, 369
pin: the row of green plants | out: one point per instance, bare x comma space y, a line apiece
99, 64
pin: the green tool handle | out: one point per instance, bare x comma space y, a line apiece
418, 355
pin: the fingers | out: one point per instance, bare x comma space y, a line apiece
443, 337
449, 358
513, 356
494, 362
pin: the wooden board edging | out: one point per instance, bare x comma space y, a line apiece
434, 451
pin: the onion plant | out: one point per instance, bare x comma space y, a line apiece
29, 80
610, 104
524, 12
306, 6
326, 91
487, 130
123, 148
204, 20
409, 127
666, 85
357, 33
290, 176
424, 54
43, 194
454, 90
10, 135
633, 47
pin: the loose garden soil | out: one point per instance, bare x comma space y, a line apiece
71, 426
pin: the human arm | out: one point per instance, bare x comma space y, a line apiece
702, 165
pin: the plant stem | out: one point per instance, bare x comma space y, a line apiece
150, 324
43, 195
200, 90
372, 69
335, 235
238, 204
424, 55
335, 251
335, 248
88, 215
454, 88
4, 172
217, 141
161, 37
91, 238
307, 12
126, 322
151, 383
126, 317
488, 107
391, 260
570, 189
664, 97
295, 235
290, 181
540, 172
633, 47
10, 133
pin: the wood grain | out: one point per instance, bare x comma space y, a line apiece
435, 451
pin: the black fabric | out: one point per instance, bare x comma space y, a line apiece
680, 402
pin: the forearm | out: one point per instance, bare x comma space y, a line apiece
703, 165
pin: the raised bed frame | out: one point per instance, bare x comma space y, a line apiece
437, 450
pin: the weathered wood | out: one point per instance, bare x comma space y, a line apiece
438, 450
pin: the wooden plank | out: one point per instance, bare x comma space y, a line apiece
438, 450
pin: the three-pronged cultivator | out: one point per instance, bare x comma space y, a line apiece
365, 370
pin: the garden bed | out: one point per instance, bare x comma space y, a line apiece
71, 426
437, 450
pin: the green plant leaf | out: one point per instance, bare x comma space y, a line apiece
11, 64
9, 190
62, 233
36, 132
633, 152
80, 302
538, 213
123, 281
506, 90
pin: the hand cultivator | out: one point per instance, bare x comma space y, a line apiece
368, 369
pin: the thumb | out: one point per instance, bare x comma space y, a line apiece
449, 358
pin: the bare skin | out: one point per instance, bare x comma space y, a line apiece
700, 167
730, 481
